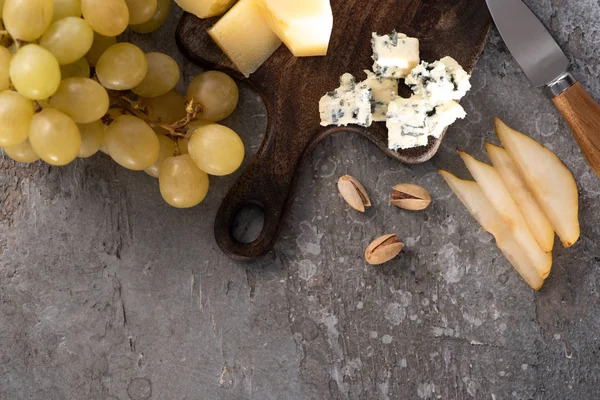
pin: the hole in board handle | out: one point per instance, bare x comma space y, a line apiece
248, 224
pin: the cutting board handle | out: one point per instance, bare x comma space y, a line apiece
582, 114
259, 186
269, 183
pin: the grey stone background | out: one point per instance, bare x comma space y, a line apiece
107, 293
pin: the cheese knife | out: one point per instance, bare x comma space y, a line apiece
546, 65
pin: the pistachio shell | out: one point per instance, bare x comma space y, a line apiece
410, 197
383, 249
354, 193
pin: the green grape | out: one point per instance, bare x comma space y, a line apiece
162, 76
82, 99
167, 149
111, 115
34, 72
216, 92
68, 39
92, 136
132, 143
16, 113
5, 57
182, 184
54, 137
123, 66
22, 152
107, 17
141, 11
27, 20
168, 108
99, 46
159, 18
182, 145
216, 149
66, 8
78, 69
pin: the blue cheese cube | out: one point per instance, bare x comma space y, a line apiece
348, 104
395, 55
383, 91
412, 121
439, 81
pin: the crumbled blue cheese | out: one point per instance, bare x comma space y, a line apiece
348, 104
395, 55
439, 81
412, 121
383, 90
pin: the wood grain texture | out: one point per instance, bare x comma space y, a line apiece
582, 114
291, 88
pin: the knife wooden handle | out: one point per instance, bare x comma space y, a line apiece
582, 114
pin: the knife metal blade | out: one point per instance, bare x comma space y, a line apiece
545, 64
529, 41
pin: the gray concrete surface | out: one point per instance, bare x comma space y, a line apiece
107, 293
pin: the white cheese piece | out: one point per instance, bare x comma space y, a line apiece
205, 8
383, 90
395, 55
439, 81
303, 25
348, 104
411, 121
245, 37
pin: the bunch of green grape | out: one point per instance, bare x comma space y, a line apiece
69, 90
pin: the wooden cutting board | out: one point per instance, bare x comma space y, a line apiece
291, 88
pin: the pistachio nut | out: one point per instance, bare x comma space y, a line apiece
383, 249
354, 193
410, 197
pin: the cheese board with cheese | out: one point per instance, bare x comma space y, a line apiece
291, 88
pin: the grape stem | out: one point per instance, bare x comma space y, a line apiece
176, 129
135, 104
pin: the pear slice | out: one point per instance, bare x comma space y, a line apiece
549, 179
478, 205
532, 212
493, 186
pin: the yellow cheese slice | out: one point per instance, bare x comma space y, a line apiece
245, 37
303, 25
205, 8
